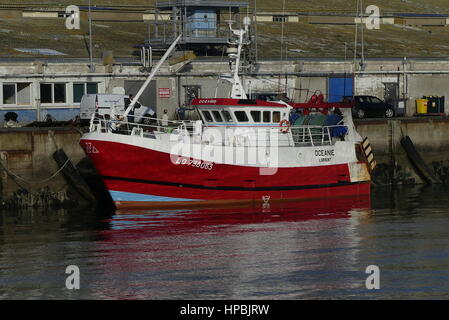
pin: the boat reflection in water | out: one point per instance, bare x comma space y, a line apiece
268, 212
275, 249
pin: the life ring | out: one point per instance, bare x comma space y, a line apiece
285, 125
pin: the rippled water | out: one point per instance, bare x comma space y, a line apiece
303, 250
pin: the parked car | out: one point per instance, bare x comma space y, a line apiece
369, 106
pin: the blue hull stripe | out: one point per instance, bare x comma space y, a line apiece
128, 196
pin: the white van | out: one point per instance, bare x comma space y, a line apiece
106, 101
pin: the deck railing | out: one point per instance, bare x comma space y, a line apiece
152, 127
148, 125
317, 135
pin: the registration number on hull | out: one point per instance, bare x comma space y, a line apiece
194, 163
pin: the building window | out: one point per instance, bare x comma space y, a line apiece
17, 93
53, 93
9, 94
46, 96
59, 92
279, 19
80, 89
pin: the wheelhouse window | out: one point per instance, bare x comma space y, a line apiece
17, 93
207, 116
53, 93
267, 116
217, 116
80, 89
276, 116
256, 116
227, 116
241, 116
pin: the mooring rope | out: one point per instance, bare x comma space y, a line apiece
34, 181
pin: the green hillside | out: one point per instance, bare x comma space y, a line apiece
300, 39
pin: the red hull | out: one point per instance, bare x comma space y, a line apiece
139, 171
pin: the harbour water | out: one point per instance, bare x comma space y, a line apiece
307, 250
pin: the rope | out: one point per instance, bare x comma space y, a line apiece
34, 181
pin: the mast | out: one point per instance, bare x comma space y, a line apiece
237, 90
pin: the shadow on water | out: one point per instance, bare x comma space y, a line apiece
410, 199
46, 221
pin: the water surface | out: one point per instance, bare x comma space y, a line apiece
298, 250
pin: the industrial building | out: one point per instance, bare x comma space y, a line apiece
34, 89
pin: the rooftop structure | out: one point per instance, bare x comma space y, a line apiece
202, 23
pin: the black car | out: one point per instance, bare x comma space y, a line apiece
369, 106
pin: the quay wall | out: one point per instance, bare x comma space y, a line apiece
429, 136
27, 168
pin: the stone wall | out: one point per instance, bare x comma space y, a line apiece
429, 137
27, 164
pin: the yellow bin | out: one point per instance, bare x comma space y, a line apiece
421, 105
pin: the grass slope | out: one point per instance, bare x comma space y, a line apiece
314, 40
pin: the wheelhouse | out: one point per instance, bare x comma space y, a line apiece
243, 113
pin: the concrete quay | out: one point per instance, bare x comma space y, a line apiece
429, 136
29, 176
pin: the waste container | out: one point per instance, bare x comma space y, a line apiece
435, 104
432, 104
441, 104
421, 106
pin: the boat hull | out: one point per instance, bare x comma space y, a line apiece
149, 195
138, 177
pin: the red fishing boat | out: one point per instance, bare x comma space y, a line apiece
240, 150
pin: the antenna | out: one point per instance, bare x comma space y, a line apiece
246, 22
282, 43
237, 91
256, 54
91, 66
361, 31
356, 31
